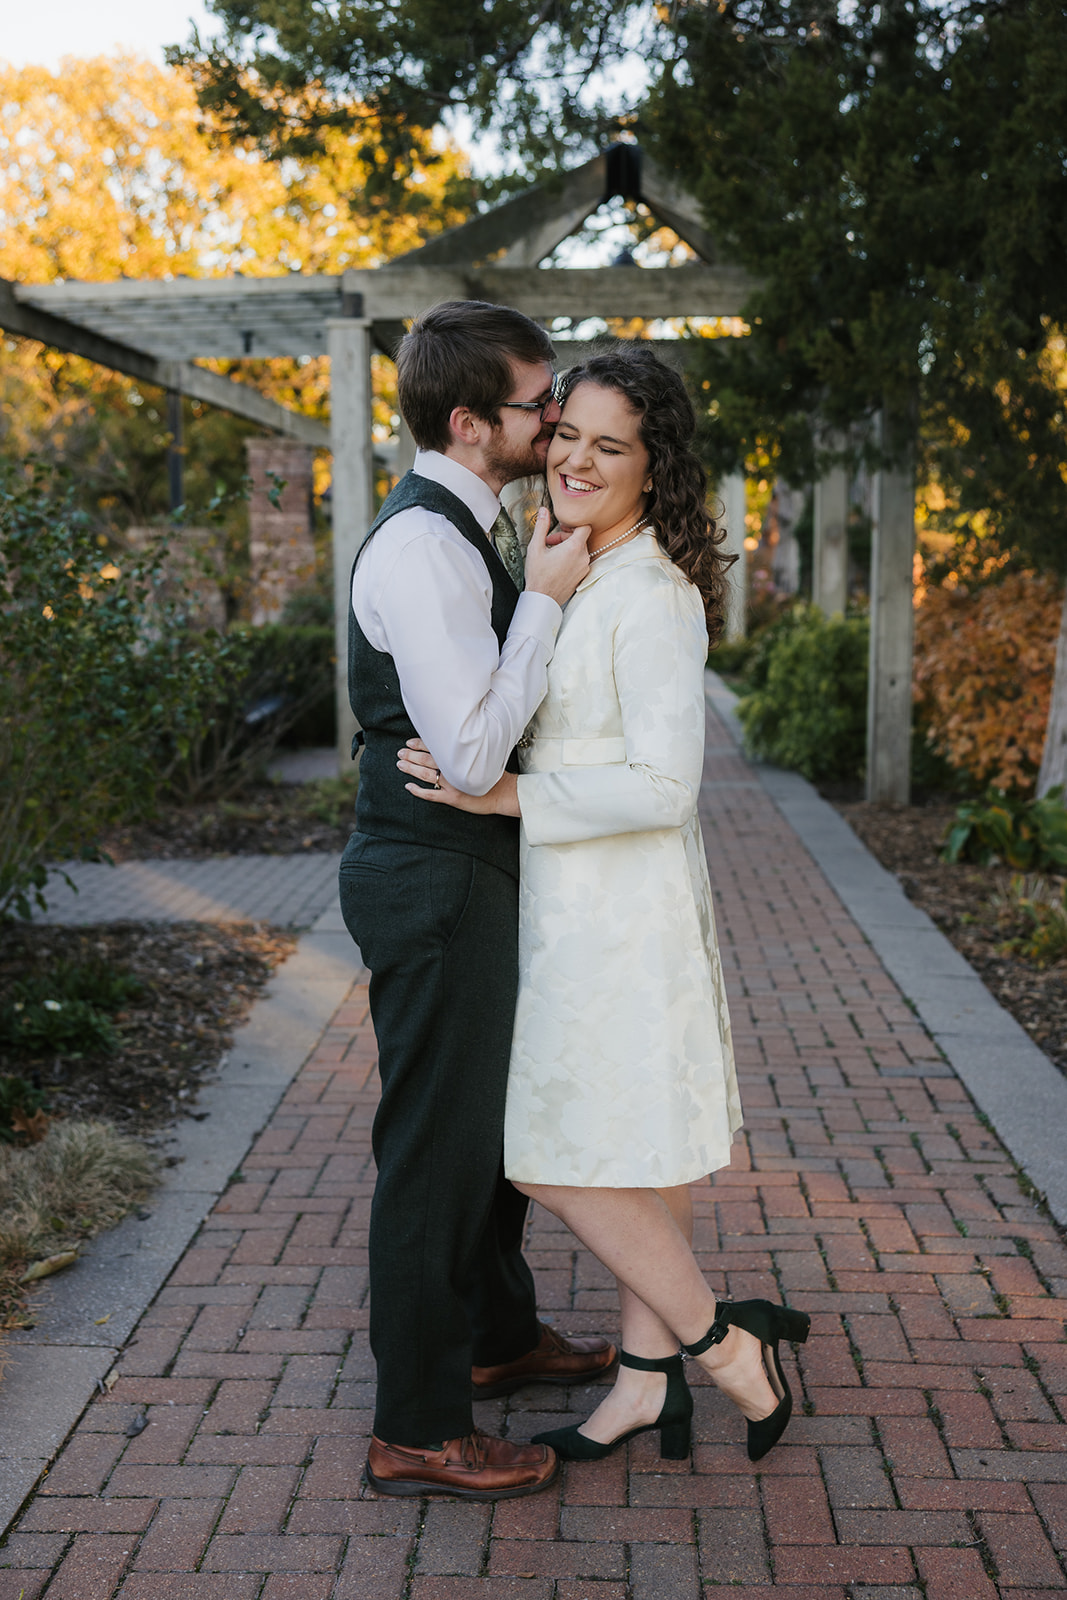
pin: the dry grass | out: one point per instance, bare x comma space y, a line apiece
80, 1178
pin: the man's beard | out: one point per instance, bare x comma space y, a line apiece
515, 461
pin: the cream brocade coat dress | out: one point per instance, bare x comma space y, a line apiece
622, 1070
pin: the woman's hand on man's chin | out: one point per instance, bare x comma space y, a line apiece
416, 760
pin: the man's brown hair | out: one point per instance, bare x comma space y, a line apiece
459, 353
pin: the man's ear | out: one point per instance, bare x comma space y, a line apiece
465, 427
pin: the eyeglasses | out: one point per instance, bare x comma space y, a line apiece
555, 393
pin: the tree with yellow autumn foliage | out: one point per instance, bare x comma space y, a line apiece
109, 169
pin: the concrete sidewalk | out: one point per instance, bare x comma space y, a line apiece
289, 891
927, 1458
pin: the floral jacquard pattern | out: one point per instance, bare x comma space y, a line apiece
622, 1070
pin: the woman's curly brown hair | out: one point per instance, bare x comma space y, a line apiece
677, 504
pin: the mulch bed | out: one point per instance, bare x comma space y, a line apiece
962, 900
267, 819
198, 982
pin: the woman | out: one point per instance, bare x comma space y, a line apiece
622, 1088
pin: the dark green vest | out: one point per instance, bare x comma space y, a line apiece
383, 807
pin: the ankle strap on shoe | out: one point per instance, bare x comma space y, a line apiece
645, 1364
715, 1334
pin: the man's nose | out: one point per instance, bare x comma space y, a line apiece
551, 414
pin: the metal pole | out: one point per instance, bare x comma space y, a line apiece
349, 346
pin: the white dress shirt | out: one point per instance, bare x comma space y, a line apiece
422, 593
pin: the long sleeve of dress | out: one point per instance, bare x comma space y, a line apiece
659, 651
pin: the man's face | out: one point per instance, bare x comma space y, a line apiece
520, 442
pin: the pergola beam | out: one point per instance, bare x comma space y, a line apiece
676, 207
536, 220
390, 293
179, 319
239, 399
523, 231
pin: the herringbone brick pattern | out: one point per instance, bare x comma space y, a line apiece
928, 1457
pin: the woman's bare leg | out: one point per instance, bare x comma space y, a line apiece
637, 1397
634, 1233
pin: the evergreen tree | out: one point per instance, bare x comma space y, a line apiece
895, 174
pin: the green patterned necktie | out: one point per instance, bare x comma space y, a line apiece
508, 548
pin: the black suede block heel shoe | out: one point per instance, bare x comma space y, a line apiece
769, 1324
674, 1421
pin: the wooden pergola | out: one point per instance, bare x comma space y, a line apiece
157, 331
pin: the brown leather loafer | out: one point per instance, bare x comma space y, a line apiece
556, 1359
477, 1467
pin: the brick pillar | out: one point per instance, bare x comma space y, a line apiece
280, 543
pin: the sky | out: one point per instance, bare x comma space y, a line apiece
41, 32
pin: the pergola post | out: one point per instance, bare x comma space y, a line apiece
349, 347
175, 451
732, 494
829, 565
405, 453
889, 709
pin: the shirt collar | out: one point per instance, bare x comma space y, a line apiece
462, 482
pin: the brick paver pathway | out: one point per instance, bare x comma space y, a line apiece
928, 1457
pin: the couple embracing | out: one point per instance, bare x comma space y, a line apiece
528, 887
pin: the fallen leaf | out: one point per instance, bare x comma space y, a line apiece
111, 1379
99, 1321
136, 1425
34, 1127
50, 1264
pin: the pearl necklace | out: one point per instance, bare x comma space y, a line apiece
604, 548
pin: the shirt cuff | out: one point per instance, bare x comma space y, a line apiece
537, 616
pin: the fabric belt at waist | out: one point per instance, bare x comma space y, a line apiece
599, 752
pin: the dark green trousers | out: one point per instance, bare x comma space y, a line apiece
449, 1285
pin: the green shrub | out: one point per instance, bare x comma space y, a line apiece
307, 608
731, 656
806, 702
1030, 835
764, 640
66, 1009
94, 666
1045, 907
279, 688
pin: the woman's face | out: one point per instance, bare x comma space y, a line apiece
597, 465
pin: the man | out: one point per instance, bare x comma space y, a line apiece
443, 647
